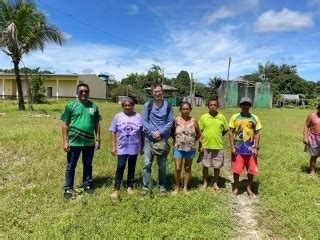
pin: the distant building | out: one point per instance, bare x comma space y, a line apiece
287, 99
230, 93
56, 85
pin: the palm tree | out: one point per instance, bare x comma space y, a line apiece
215, 83
24, 29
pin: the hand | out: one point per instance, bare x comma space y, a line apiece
200, 149
156, 135
306, 140
97, 145
233, 151
254, 151
114, 151
142, 151
66, 147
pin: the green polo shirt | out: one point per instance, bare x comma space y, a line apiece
81, 119
212, 128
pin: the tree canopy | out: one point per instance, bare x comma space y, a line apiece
23, 29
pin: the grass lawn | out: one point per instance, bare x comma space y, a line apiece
32, 165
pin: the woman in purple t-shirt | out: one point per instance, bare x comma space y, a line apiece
127, 142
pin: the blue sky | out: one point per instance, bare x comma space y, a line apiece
119, 37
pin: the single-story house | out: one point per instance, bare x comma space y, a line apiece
230, 92
56, 85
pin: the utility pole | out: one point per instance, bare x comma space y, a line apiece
226, 93
191, 88
194, 91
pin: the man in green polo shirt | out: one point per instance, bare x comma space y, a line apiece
80, 134
213, 126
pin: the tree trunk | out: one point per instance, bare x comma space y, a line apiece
30, 100
19, 86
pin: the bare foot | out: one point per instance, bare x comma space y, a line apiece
251, 194
185, 190
313, 173
216, 188
204, 187
130, 190
175, 191
115, 195
234, 193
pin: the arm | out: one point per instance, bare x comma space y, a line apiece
145, 121
65, 127
225, 126
142, 142
200, 148
197, 128
255, 148
224, 132
98, 139
113, 143
231, 140
169, 124
306, 130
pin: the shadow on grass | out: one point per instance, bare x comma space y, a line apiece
102, 181
194, 184
306, 169
243, 186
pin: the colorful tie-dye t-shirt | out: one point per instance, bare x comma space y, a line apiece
244, 130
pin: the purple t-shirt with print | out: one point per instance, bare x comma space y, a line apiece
128, 130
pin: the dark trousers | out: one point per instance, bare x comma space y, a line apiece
122, 160
72, 158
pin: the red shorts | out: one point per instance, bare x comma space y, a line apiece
240, 161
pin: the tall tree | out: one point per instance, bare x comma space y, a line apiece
214, 84
24, 29
182, 83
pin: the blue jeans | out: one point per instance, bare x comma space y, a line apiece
122, 160
148, 159
72, 158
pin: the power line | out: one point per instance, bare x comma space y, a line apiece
116, 36
99, 29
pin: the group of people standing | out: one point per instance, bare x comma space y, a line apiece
148, 134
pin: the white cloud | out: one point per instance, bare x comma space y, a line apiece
133, 9
228, 11
66, 35
221, 13
284, 21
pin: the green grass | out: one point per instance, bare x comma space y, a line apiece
32, 165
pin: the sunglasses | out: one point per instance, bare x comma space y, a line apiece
84, 91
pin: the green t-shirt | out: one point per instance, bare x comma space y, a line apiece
81, 119
212, 128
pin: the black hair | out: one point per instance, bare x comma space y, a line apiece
82, 85
183, 103
213, 99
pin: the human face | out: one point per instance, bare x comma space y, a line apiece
245, 106
213, 106
185, 110
127, 107
157, 93
83, 93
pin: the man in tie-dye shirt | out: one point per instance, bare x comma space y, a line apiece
244, 138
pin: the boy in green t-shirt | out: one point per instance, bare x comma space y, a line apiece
213, 126
80, 134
